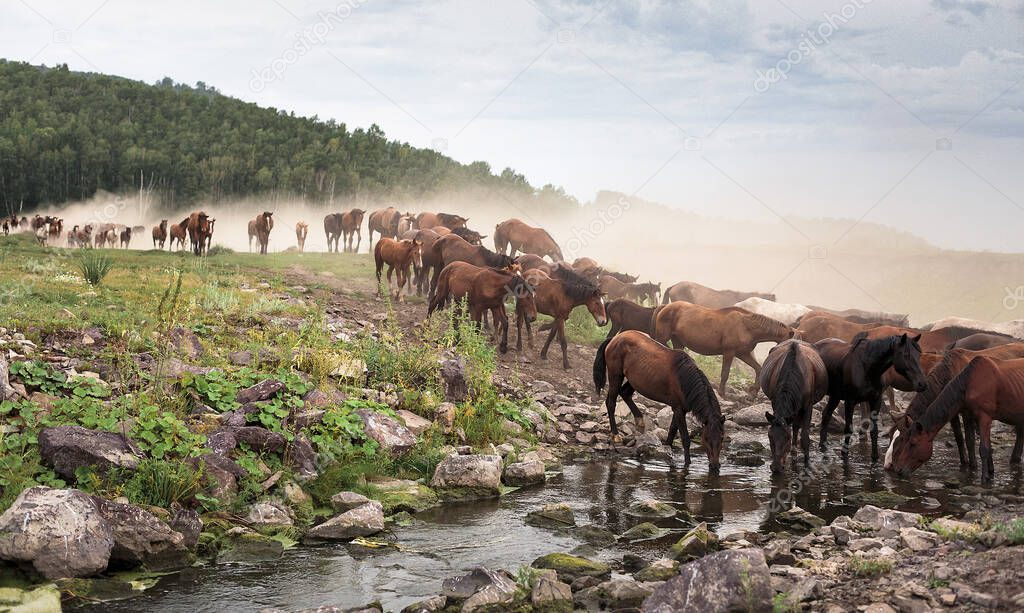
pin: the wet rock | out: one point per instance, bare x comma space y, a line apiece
594, 536
734, 580
59, 532
549, 595
429, 605
494, 597
659, 570
753, 415
65, 449
364, 520
187, 523
264, 390
880, 498
642, 532
346, 501
268, 514
524, 473
413, 422
140, 539
798, 519
887, 521
917, 540
570, 567
244, 546
453, 376
465, 586
461, 477
650, 447
650, 508
43, 599
618, 594
553, 515
387, 431
697, 543
399, 495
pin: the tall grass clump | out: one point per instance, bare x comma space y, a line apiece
94, 265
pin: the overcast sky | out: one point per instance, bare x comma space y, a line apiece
908, 113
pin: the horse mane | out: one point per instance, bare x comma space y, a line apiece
700, 396
937, 380
466, 233
494, 259
789, 388
948, 403
763, 323
577, 287
620, 276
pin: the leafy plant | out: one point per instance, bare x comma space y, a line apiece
869, 567
94, 265
161, 483
213, 389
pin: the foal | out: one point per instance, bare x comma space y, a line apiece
398, 255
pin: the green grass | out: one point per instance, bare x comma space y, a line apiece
869, 567
1013, 531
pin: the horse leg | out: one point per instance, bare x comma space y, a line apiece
499, 315
826, 418
891, 393
985, 430
359, 240
726, 366
519, 330
626, 393
684, 429
614, 384
749, 360
849, 407
970, 428
876, 406
958, 436
673, 428
1018, 446
551, 336
805, 436
561, 341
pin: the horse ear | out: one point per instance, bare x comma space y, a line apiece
918, 427
916, 338
483, 236
768, 416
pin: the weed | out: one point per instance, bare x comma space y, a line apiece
94, 265
161, 482
869, 567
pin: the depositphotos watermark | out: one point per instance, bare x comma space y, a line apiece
583, 236
305, 41
810, 40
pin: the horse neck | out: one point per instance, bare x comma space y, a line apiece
764, 329
948, 403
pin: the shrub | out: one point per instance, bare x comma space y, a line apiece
160, 482
869, 567
219, 250
94, 265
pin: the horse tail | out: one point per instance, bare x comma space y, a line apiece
440, 294
378, 260
664, 297
600, 366
654, 320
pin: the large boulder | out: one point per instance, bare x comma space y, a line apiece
364, 520
187, 523
269, 513
302, 457
733, 580
65, 449
886, 521
7, 392
468, 476
752, 416
524, 473
387, 431
260, 439
140, 539
570, 567
416, 424
453, 374
263, 390
59, 532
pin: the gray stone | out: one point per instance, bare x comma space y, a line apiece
263, 390
551, 595
140, 539
468, 476
389, 433
269, 514
461, 588
917, 540
415, 424
733, 580
428, 605
68, 448
886, 520
244, 546
453, 375
524, 473
552, 515
364, 520
346, 501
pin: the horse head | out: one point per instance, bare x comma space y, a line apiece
780, 439
523, 294
907, 361
910, 447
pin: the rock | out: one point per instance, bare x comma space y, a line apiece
59, 532
695, 544
659, 570
642, 532
387, 431
65, 449
444, 414
453, 375
917, 540
264, 390
880, 498
413, 422
865, 544
953, 528
42, 599
461, 588
733, 580
524, 473
886, 519
260, 439
552, 515
879, 607
222, 441
664, 418
364, 520
350, 369
140, 539
244, 546
185, 342
594, 536
617, 594
650, 447
570, 567
224, 474
399, 495
187, 523
753, 415
461, 477
651, 508
491, 597
429, 605
779, 553
295, 495
7, 392
269, 514
796, 518
346, 501
302, 457
549, 595
240, 358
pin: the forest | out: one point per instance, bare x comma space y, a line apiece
65, 134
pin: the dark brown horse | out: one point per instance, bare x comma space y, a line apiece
940, 372
160, 235
448, 220
588, 267
981, 340
525, 238
453, 248
794, 378
633, 362
484, 289
860, 316
126, 237
421, 274
639, 292
259, 229
351, 228
200, 229
695, 293
178, 232
628, 315
730, 332
816, 326
987, 390
399, 256
470, 236
301, 232
557, 295
855, 373
332, 229
384, 222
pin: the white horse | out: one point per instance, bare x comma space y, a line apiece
788, 314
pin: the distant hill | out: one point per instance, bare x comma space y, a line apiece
64, 135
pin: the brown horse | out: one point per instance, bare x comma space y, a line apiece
557, 296
627, 315
405, 223
448, 220
940, 372
126, 237
332, 228
453, 248
178, 232
421, 273
634, 362
639, 292
351, 227
529, 261
982, 340
484, 289
259, 229
730, 332
199, 231
987, 390
860, 316
794, 378
399, 255
301, 232
384, 222
695, 293
526, 239
470, 236
160, 235
816, 326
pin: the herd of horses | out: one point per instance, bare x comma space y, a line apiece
963, 373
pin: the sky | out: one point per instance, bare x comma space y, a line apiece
905, 113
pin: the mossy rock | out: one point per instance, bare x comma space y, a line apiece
41, 599
554, 516
697, 543
659, 570
570, 567
247, 547
882, 498
643, 532
97, 589
655, 509
595, 536
412, 499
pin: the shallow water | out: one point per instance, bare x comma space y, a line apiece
446, 542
